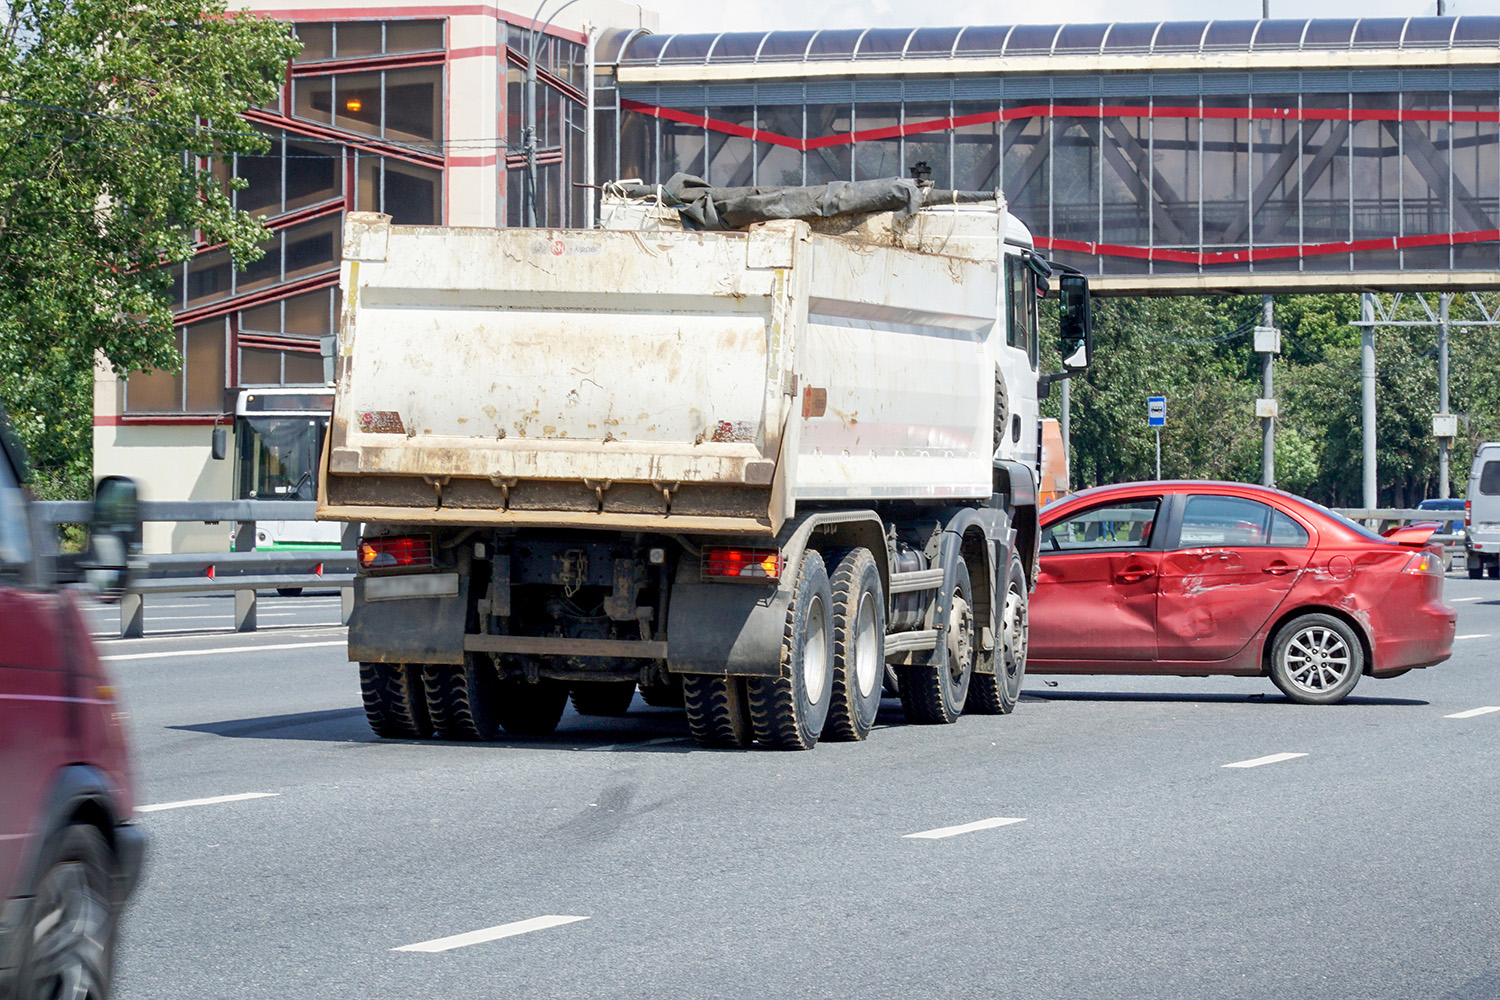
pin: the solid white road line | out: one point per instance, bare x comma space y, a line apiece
954, 831
185, 803
224, 649
1461, 600
1486, 710
489, 934
1476, 635
1275, 758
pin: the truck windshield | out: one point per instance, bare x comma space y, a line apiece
279, 457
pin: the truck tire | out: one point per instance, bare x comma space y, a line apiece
997, 693
1474, 566
789, 712
609, 698
936, 696
718, 711
1492, 568
858, 647
67, 941
461, 697
395, 703
668, 695
525, 709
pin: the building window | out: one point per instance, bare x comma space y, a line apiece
399, 105
198, 387
409, 194
366, 39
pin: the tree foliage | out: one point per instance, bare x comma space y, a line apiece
109, 113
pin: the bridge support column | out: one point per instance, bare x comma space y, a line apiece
1445, 444
1367, 393
1267, 391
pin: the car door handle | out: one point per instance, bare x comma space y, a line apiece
1278, 569
1135, 574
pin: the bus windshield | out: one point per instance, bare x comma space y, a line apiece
278, 457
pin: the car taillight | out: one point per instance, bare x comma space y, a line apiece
743, 564
1424, 562
390, 552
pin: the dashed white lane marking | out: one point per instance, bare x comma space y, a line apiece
223, 649
185, 803
1486, 710
954, 831
1461, 600
1275, 758
1475, 635
489, 934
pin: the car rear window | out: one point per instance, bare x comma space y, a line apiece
1489, 479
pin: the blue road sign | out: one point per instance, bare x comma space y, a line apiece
1156, 411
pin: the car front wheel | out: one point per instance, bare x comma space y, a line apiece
1316, 659
69, 937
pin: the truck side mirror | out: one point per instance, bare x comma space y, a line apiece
1075, 338
114, 534
220, 444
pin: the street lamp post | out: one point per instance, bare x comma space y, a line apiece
528, 136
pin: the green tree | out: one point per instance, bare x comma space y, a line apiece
111, 112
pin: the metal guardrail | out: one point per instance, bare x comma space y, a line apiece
1453, 544
244, 572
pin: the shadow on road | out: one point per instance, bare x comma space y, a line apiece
1270, 698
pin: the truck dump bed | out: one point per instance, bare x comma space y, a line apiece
657, 380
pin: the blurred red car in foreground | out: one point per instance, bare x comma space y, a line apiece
1200, 578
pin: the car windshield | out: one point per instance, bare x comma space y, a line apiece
1347, 522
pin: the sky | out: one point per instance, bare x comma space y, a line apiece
750, 15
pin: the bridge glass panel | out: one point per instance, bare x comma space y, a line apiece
1280, 35
1133, 37
1477, 31
1229, 35
637, 147
1324, 175
977, 147
883, 43
877, 157
1027, 145
1180, 36
776, 163
835, 44
1076, 174
785, 45
1271, 220
1375, 174
983, 41
682, 146
1226, 175
1379, 32
829, 162
1328, 34
1475, 156
1130, 184
932, 42
687, 48
1428, 32
1430, 203
1176, 144
1031, 40
644, 50
731, 158
930, 147
737, 46
1080, 39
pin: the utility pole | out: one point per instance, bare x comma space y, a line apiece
1268, 345
1067, 427
1367, 393
1444, 426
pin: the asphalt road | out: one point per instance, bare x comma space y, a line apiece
618, 861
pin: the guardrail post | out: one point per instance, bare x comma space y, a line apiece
244, 610
346, 604
132, 616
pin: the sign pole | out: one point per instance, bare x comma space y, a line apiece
1158, 453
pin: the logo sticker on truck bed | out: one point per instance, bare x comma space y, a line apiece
380, 422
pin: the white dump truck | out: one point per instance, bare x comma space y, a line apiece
766, 468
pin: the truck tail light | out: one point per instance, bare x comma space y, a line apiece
390, 552
1468, 514
742, 564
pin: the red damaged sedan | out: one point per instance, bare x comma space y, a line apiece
1201, 578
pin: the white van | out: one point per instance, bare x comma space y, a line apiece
1482, 513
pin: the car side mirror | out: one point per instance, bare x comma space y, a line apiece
1075, 338
114, 534
219, 444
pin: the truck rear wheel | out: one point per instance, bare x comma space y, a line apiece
460, 698
610, 698
997, 693
394, 701
789, 712
527, 709
936, 696
718, 710
858, 647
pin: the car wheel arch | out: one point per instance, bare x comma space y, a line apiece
80, 794
1360, 632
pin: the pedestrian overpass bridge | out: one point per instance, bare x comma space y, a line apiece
1160, 158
